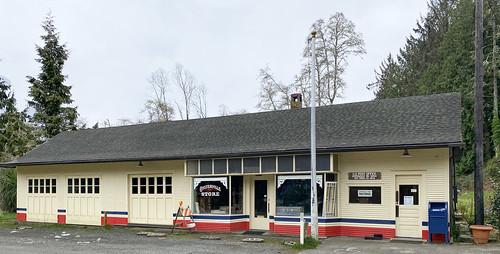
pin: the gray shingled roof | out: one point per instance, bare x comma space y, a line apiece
421, 121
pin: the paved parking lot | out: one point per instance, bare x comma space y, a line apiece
70, 239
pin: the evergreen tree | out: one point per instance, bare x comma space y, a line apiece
16, 136
439, 58
51, 98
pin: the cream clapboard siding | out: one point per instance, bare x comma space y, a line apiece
114, 184
431, 164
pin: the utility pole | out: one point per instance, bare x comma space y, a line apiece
314, 198
494, 60
478, 116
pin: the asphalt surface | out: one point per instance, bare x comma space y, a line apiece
70, 239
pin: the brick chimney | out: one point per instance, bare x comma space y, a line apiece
296, 101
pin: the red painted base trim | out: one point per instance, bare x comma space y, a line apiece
222, 227
326, 231
61, 219
436, 238
114, 221
21, 216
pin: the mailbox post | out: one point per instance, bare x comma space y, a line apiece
438, 220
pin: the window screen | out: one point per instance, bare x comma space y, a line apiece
285, 163
323, 162
234, 166
302, 163
206, 167
251, 165
268, 164
220, 166
192, 167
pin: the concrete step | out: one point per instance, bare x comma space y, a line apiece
407, 240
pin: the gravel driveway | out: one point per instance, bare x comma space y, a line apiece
72, 239
122, 240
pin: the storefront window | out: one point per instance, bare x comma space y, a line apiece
293, 195
211, 195
236, 194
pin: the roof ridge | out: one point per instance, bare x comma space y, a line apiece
375, 100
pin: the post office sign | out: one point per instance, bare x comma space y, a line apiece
365, 175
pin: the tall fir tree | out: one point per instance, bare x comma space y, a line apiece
439, 58
50, 97
16, 135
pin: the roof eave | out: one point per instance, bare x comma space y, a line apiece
270, 152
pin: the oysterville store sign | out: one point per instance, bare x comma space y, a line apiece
365, 175
210, 190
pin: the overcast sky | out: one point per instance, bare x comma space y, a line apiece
115, 45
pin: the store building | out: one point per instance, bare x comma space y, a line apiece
379, 164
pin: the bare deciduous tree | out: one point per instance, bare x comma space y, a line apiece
225, 111
273, 95
336, 40
158, 107
184, 80
200, 103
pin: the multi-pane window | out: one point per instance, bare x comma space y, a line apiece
83, 185
258, 165
152, 185
42, 185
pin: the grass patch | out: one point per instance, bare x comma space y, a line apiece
7, 219
309, 243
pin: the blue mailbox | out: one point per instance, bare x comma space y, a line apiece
438, 219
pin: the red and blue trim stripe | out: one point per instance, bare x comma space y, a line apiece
114, 218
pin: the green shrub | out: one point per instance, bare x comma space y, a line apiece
494, 208
465, 206
8, 182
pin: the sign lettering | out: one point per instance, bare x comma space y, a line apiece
365, 175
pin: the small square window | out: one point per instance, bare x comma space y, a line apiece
159, 185
206, 167
70, 185
285, 164
251, 165
151, 185
96, 189
192, 167
96, 181
77, 185
302, 163
268, 164
220, 166
168, 180
234, 166
135, 181
168, 189
42, 186
30, 186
